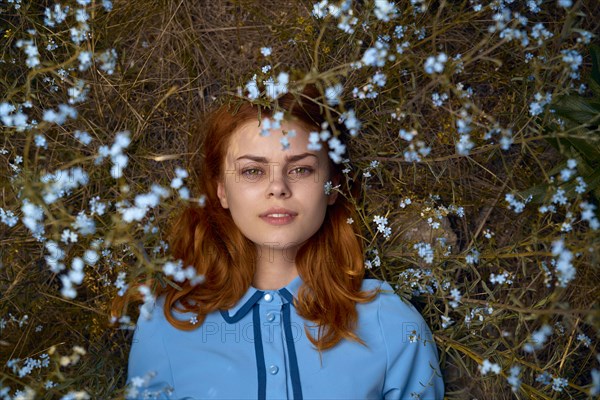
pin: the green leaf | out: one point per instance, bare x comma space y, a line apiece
541, 193
595, 86
538, 193
577, 109
584, 145
589, 151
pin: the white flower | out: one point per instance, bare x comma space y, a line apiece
149, 300
472, 257
351, 122
446, 322
332, 94
40, 141
537, 107
379, 220
564, 267
60, 117
108, 61
438, 99
464, 145
91, 257
81, 15
500, 279
119, 159
120, 283
588, 214
327, 187
559, 383
252, 88
425, 251
516, 205
30, 49
435, 64
277, 87
33, 216
384, 10
565, 3
320, 9
337, 150
488, 366
68, 236
85, 225
376, 56
8, 217
78, 93
55, 15
513, 379
584, 339
456, 296
313, 141
581, 185
83, 137
538, 338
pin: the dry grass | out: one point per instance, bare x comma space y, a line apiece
178, 58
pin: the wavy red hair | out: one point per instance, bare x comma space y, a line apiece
208, 239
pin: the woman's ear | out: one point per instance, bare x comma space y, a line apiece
222, 195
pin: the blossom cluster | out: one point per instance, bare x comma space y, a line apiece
382, 226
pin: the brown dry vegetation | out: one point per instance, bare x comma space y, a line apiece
179, 58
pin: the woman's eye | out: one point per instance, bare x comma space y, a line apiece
301, 170
251, 172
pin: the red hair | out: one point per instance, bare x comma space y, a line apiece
208, 239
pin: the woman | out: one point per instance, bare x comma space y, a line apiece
283, 311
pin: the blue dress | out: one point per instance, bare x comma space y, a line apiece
223, 360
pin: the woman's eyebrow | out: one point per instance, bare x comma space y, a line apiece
287, 158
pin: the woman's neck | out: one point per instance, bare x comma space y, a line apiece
275, 268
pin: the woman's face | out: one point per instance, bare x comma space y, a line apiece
276, 197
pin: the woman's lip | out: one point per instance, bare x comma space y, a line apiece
278, 210
278, 220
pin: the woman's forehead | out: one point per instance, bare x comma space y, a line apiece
247, 139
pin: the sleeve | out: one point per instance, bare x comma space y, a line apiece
412, 370
149, 375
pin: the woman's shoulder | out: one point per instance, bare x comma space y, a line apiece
389, 306
152, 315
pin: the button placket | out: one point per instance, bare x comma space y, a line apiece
274, 345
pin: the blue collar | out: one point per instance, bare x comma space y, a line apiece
253, 294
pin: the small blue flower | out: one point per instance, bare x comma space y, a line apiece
565, 3
435, 64
384, 10
277, 87
320, 9
31, 50
351, 122
333, 93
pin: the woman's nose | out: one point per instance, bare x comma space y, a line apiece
278, 184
